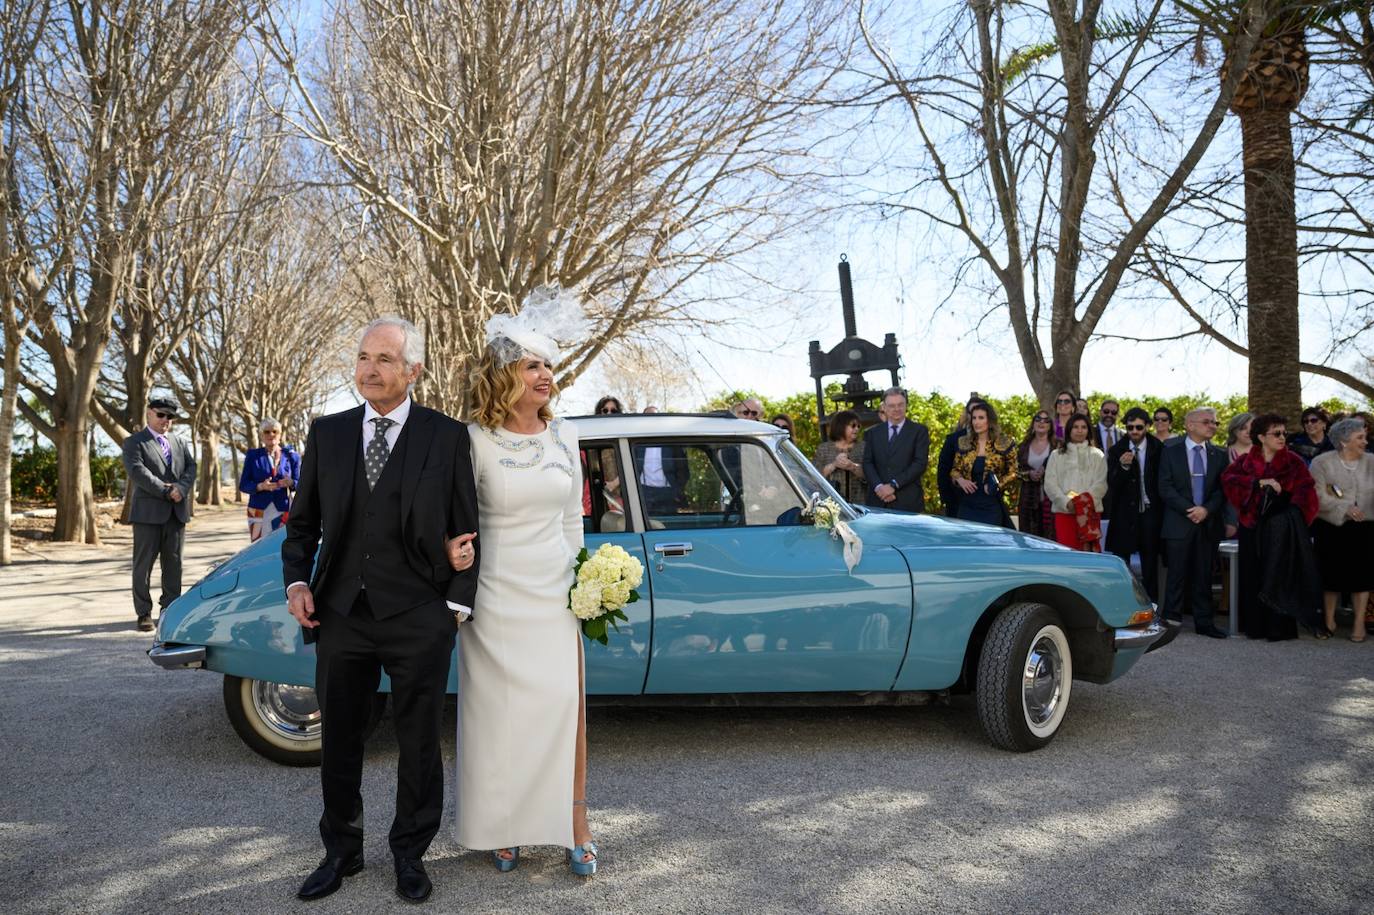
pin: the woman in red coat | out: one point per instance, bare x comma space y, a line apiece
1275, 499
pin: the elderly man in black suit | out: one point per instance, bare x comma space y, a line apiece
1190, 488
896, 453
161, 471
388, 488
1133, 486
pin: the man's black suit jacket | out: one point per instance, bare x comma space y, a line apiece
949, 492
1176, 489
438, 500
1123, 488
903, 460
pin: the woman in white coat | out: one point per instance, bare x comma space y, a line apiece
1076, 467
521, 776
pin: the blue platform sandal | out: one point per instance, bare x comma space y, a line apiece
579, 867
506, 865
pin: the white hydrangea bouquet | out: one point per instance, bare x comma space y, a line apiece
605, 583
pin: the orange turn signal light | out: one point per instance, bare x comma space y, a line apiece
1141, 618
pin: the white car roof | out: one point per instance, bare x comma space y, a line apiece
653, 425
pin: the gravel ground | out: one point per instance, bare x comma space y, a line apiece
1218, 776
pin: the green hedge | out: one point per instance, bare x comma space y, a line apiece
34, 475
940, 413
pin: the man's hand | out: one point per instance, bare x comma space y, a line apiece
1197, 514
300, 603
175, 494
1127, 458
885, 492
461, 555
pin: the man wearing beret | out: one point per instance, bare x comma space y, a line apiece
161, 472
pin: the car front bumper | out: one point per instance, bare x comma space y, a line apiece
1147, 638
177, 657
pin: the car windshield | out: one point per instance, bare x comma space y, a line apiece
808, 478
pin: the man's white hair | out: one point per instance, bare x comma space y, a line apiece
1198, 411
412, 343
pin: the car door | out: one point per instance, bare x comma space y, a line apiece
617, 668
747, 598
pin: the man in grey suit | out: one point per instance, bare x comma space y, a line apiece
896, 453
1190, 488
161, 472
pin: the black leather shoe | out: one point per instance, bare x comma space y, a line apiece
328, 877
145, 624
1212, 632
412, 883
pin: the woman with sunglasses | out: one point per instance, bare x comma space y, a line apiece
1034, 514
1312, 440
783, 422
1276, 500
269, 475
841, 459
608, 405
1063, 409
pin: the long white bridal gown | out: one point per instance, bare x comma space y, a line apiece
519, 657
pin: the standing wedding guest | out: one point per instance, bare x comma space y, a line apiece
1106, 433
840, 458
270, 473
783, 422
1164, 424
161, 471
949, 493
985, 469
609, 405
1312, 440
1034, 513
1190, 471
1276, 500
383, 488
1063, 409
650, 409
522, 751
1075, 482
1080, 405
1344, 529
1133, 489
1237, 445
749, 408
896, 454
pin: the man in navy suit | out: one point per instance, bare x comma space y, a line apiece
1190, 487
1133, 485
896, 453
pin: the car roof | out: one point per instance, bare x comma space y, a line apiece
652, 425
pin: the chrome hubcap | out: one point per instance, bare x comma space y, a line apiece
291, 711
1042, 684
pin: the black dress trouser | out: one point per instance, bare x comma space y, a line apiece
1189, 582
415, 649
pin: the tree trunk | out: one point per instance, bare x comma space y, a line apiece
9, 403
207, 488
75, 498
234, 456
1271, 263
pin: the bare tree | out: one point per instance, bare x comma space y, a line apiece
103, 127
1013, 108
627, 148
20, 33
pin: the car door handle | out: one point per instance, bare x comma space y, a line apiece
673, 549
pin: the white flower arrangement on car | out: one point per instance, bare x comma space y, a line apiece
826, 515
604, 584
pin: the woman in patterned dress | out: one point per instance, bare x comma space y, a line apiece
522, 751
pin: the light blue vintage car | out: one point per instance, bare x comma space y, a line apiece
743, 598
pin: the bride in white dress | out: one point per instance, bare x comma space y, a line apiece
521, 776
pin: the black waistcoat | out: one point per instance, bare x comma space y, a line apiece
371, 551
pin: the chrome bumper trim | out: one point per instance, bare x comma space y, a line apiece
1137, 639
177, 657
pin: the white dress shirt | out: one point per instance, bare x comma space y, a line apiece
398, 418
653, 474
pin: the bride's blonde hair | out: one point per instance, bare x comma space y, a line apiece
496, 387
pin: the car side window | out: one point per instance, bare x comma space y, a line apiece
603, 500
712, 484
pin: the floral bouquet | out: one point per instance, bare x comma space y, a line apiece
826, 515
605, 582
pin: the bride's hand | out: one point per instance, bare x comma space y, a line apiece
461, 555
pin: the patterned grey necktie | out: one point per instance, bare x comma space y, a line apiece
377, 451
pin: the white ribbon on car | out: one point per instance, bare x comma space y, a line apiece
853, 544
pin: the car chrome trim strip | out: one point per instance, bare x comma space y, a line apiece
177, 657
1137, 639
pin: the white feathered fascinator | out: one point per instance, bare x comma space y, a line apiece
548, 315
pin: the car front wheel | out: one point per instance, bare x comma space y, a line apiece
280, 721
1025, 675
